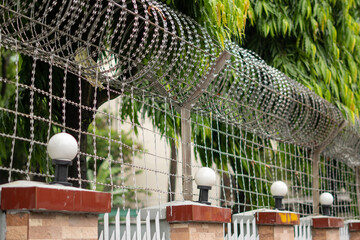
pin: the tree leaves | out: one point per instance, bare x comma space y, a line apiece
321, 37
224, 19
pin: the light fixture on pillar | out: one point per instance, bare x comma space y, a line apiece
205, 178
278, 190
326, 200
62, 149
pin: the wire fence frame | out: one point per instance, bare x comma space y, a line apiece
242, 133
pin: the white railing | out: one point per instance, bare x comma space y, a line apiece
242, 230
344, 232
239, 229
142, 232
303, 231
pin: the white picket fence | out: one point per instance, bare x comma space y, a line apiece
237, 230
242, 230
344, 232
127, 234
303, 230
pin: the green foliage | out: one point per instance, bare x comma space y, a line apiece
18, 99
313, 42
163, 116
7, 70
224, 19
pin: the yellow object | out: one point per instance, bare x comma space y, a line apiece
88, 65
288, 217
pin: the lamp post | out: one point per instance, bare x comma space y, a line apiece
326, 200
205, 178
62, 149
278, 190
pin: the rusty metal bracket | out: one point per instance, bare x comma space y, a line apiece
207, 79
160, 89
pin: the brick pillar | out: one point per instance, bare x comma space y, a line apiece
197, 222
51, 212
326, 228
354, 229
276, 225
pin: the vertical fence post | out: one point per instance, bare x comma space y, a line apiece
186, 153
186, 123
315, 193
357, 179
316, 160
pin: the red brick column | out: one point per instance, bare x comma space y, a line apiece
276, 225
52, 212
326, 228
354, 229
197, 222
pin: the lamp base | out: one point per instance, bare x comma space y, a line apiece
204, 194
326, 210
278, 202
61, 172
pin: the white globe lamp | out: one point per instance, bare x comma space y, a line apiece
205, 178
278, 190
62, 149
326, 200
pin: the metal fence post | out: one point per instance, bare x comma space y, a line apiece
186, 153
316, 159
315, 166
186, 123
357, 179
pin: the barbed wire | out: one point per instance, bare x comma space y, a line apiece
147, 45
260, 124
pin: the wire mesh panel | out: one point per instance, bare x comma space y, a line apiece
248, 164
340, 180
119, 76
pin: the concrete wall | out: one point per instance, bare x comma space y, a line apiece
155, 163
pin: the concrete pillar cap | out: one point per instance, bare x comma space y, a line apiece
28, 195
